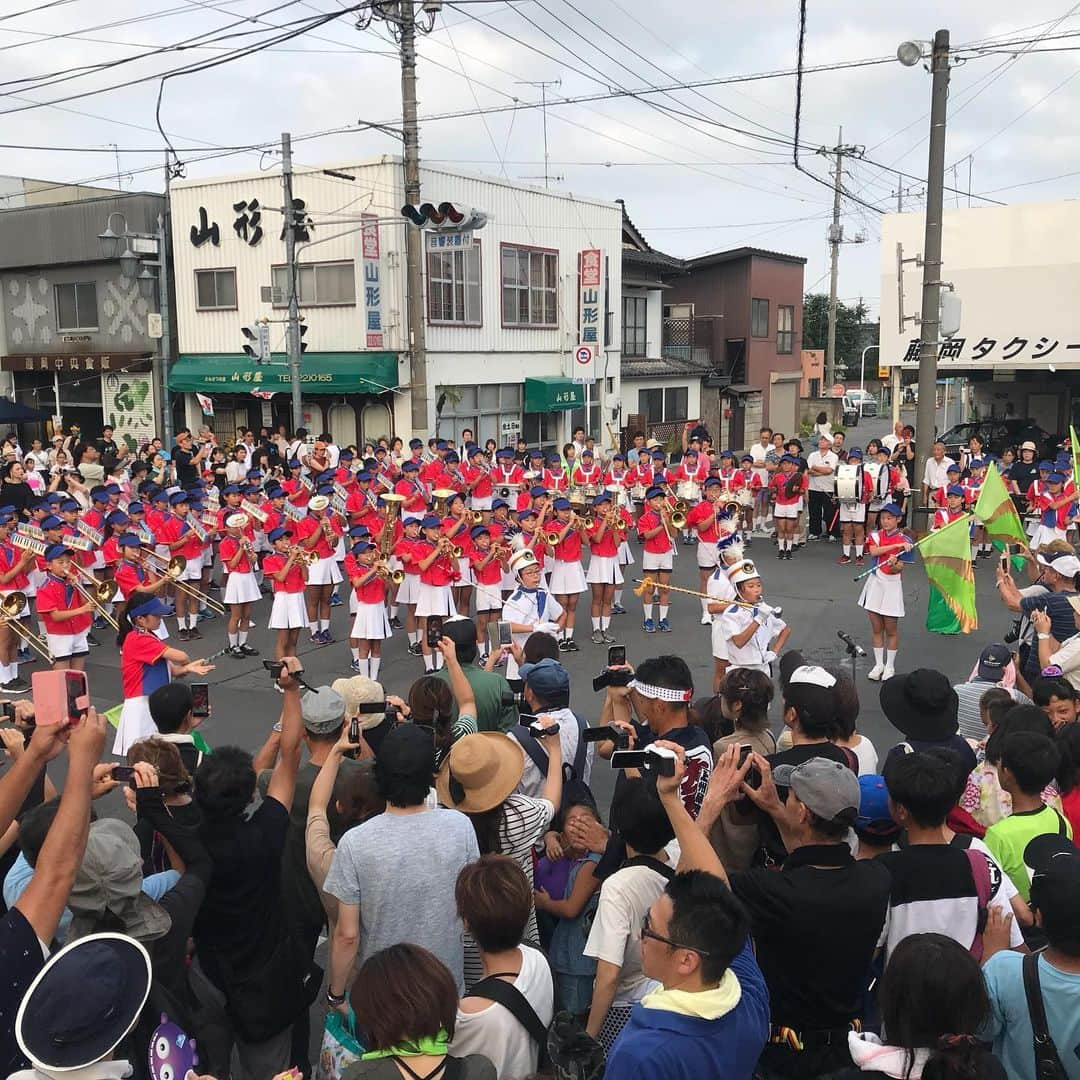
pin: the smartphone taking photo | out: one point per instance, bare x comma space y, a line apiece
60, 697
200, 699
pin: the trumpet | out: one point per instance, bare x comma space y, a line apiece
299, 554
384, 571
11, 607
553, 537
732, 506
101, 594
680, 505
449, 548
477, 517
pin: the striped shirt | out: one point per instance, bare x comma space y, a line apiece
969, 722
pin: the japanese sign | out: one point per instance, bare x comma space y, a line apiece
128, 406
89, 362
369, 245
205, 230
988, 349
248, 223
590, 314
448, 241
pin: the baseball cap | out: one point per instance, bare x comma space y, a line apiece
955, 489
811, 687
323, 710
359, 690
547, 678
154, 606
826, 788
432, 522
406, 751
277, 534
875, 821
993, 660
1055, 876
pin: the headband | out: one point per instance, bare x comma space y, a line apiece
661, 693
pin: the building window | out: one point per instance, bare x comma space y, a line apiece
76, 306
815, 388
634, 333
663, 405
785, 328
759, 318
454, 286
490, 411
215, 289
530, 283
318, 284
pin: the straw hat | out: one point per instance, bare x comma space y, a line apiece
319, 502
480, 772
360, 690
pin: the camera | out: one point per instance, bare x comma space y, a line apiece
607, 733
612, 677
658, 760
535, 729
7, 710
275, 667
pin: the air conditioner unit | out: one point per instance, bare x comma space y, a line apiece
271, 294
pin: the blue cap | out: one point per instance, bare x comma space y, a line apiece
527, 512
600, 498
99, 494
547, 678
128, 540
363, 477
1056, 478
348, 455
891, 508
113, 489
724, 453
359, 531
562, 504
537, 453
117, 517
472, 450
496, 503
254, 474
653, 492
977, 463
537, 491
325, 489
54, 497
361, 546
452, 458
416, 444
554, 459
586, 451
178, 497
278, 533
750, 458
658, 455
51, 522
712, 481
1047, 465
873, 800
954, 489
410, 466
618, 457
161, 496
854, 452
231, 489
70, 504
953, 468
271, 493
54, 551
406, 522
504, 452
432, 522
1063, 461
790, 458
479, 530
165, 455
153, 606
441, 444
294, 463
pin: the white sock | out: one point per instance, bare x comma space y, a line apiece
617, 597
663, 611
355, 652
429, 662
414, 637
859, 551
879, 656
373, 666
324, 624
568, 634
596, 622
393, 611
234, 640
890, 658
847, 550
362, 665
648, 610
243, 637
704, 607
439, 661
605, 622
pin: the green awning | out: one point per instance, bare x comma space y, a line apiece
320, 373
553, 393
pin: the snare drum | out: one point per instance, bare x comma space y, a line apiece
690, 490
637, 493
745, 497
849, 483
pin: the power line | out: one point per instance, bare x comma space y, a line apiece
39, 7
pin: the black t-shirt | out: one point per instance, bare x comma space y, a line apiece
186, 473
1024, 475
816, 924
773, 851
21, 958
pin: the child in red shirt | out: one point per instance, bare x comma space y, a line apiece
487, 572
370, 626
286, 567
656, 531
66, 613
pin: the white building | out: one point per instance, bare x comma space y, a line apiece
504, 316
1016, 270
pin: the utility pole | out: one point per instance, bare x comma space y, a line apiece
543, 84
929, 326
165, 307
836, 238
292, 327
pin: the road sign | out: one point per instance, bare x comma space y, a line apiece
153, 325
837, 390
583, 355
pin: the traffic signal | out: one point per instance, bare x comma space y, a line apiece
257, 340
446, 216
300, 221
301, 329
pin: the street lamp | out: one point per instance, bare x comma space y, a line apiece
147, 280
862, 368
129, 263
909, 53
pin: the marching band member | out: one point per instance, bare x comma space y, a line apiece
530, 607
319, 532
708, 519
241, 590
406, 549
604, 575
478, 483
788, 486
720, 594
370, 626
587, 471
95, 518
14, 564
795, 448
641, 475
503, 529
657, 534
534, 469
286, 568
297, 491
692, 469
174, 535
65, 611
567, 580
415, 491
455, 528
617, 472
555, 478
131, 575
751, 483
432, 470
438, 571
624, 558
883, 594
1036, 489
852, 513
754, 635
146, 663
487, 570
530, 525
981, 547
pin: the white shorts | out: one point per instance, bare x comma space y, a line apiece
786, 510
99, 560
707, 557
509, 582
193, 569
409, 590
719, 642
135, 723
241, 588
63, 646
626, 555
604, 570
488, 597
653, 560
289, 611
37, 579
478, 502
855, 512
435, 600
465, 570
566, 578
324, 572
883, 595
371, 623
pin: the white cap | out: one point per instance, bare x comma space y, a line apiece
743, 571
236, 521
521, 560
319, 502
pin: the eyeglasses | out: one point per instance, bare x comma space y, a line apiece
648, 932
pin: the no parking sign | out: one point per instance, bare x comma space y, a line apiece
583, 364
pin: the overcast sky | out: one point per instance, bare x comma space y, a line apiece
689, 183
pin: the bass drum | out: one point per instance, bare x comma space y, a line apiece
849, 483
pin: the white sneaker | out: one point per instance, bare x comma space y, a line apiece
888, 674
876, 672
706, 619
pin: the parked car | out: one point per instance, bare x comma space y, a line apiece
857, 404
997, 434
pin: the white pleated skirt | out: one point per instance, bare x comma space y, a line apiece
719, 642
626, 554
324, 572
883, 595
435, 600
465, 570
567, 578
135, 724
604, 570
371, 623
409, 590
289, 611
241, 588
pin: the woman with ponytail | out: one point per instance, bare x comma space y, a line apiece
933, 1000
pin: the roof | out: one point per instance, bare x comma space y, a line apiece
742, 253
659, 367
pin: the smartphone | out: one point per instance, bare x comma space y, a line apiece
354, 729
434, 631
1015, 549
505, 637
7, 710
753, 774
123, 773
200, 699
616, 655
60, 697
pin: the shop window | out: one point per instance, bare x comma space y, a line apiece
215, 290
318, 284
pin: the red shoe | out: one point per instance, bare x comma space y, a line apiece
844, 560
860, 561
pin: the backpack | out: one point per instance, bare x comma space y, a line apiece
574, 786
980, 872
1048, 1064
514, 1002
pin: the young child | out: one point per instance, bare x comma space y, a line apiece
605, 573
788, 485
709, 520
438, 571
455, 528
883, 594
487, 574
286, 568
852, 514
751, 485
409, 590
981, 546
657, 534
371, 626
755, 635
567, 581
241, 589
65, 611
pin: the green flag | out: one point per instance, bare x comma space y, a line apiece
1073, 448
947, 556
996, 510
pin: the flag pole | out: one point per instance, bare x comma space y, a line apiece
915, 546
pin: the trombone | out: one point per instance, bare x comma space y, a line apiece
680, 505
101, 594
11, 607
173, 569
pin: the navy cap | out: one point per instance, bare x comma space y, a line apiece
653, 492
294, 463
51, 522
99, 494
537, 491
479, 530
254, 474
748, 457
452, 458
178, 497
432, 522
1048, 465
54, 551
1056, 478
725, 453
325, 489
586, 451
53, 497
527, 512
537, 453
271, 493
358, 531
410, 466
70, 504
113, 489
977, 463
712, 481
691, 452
854, 452
416, 444
562, 504
554, 459
891, 508
363, 477
658, 455
348, 455
153, 606
504, 452
163, 496
473, 450
496, 503
406, 522
441, 444
953, 468
790, 458
231, 489
603, 497
117, 517
618, 457
277, 534
128, 540
955, 489
547, 678
361, 546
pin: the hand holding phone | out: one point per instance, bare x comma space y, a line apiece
616, 655
60, 697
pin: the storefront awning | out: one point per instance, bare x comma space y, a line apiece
553, 393
320, 373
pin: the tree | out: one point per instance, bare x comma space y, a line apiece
853, 332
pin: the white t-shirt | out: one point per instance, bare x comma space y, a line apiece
616, 930
756, 652
497, 1035
758, 452
935, 475
532, 782
524, 607
867, 756
828, 460
1068, 659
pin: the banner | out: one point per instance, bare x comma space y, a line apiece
947, 556
996, 510
206, 404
